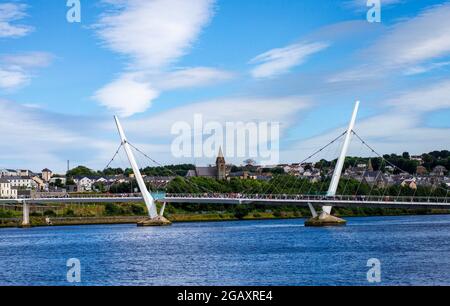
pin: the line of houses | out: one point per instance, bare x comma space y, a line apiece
14, 183
26, 183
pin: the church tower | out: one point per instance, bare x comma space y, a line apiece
221, 166
370, 167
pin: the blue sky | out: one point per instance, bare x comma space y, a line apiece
301, 63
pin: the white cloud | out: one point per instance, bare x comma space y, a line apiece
27, 60
157, 128
12, 78
17, 70
430, 98
43, 139
153, 35
409, 43
424, 37
9, 14
54, 138
426, 68
133, 93
127, 95
281, 60
246, 109
192, 77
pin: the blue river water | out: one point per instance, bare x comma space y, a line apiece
412, 250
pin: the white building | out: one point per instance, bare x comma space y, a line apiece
6, 191
21, 182
8, 172
84, 183
54, 179
25, 172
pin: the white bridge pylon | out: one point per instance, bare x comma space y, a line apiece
148, 199
340, 163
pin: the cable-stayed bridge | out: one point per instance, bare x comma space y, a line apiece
266, 197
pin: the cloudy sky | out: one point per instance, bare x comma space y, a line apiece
158, 62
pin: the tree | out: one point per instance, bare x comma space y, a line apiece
80, 171
249, 162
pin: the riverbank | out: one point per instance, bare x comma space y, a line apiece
201, 217
176, 218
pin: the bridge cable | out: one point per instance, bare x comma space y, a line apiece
170, 170
308, 158
114, 157
391, 164
331, 170
348, 179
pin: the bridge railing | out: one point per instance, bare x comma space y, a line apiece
88, 196
285, 197
338, 198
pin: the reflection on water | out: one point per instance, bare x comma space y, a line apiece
412, 250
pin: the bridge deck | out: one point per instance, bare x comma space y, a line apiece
300, 200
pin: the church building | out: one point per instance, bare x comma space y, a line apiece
218, 172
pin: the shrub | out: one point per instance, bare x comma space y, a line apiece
137, 209
6, 214
69, 213
278, 214
49, 213
113, 210
241, 212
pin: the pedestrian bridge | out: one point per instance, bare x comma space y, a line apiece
250, 199
326, 202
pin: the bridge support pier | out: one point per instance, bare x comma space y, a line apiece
157, 221
325, 219
26, 215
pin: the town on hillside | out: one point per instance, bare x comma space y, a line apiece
411, 171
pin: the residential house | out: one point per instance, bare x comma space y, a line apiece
411, 183
25, 172
243, 175
40, 184
8, 172
6, 190
313, 175
21, 182
46, 174
439, 171
54, 180
417, 158
84, 183
421, 170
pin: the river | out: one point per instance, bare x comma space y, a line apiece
412, 250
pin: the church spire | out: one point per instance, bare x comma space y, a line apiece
370, 167
220, 152
221, 166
